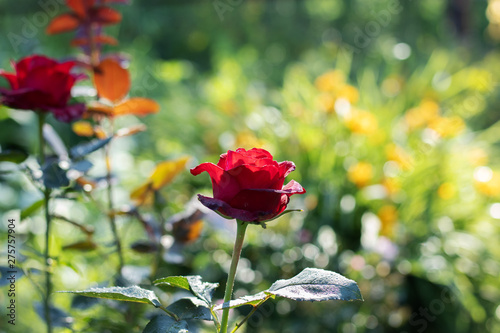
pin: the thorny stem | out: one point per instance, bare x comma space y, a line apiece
238, 245
46, 194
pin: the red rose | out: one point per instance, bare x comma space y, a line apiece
248, 185
42, 84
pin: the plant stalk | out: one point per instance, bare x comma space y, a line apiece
46, 194
111, 211
238, 245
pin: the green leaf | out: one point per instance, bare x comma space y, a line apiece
28, 211
314, 284
252, 300
166, 324
86, 148
190, 308
204, 290
130, 294
14, 156
54, 176
82, 166
174, 281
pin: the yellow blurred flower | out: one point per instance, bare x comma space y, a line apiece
362, 122
330, 81
348, 92
422, 115
360, 174
399, 155
447, 191
493, 15
248, 140
392, 85
447, 127
392, 185
229, 107
490, 186
477, 156
326, 102
388, 215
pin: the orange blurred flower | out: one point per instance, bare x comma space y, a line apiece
360, 174
489, 186
422, 115
392, 185
388, 215
247, 140
348, 92
399, 155
447, 127
362, 122
330, 81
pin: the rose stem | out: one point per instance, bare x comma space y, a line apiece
46, 193
111, 211
238, 244
94, 60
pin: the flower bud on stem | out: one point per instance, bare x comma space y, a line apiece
238, 245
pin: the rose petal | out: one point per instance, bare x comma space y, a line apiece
69, 113
286, 167
11, 77
28, 63
293, 188
25, 99
224, 186
256, 153
265, 202
250, 177
223, 208
254, 156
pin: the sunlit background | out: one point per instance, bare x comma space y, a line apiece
389, 109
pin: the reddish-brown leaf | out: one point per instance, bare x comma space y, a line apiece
80, 7
143, 195
62, 23
138, 106
112, 81
105, 15
131, 130
187, 230
96, 108
166, 171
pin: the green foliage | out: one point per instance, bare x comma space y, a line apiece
130, 294
314, 284
165, 324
